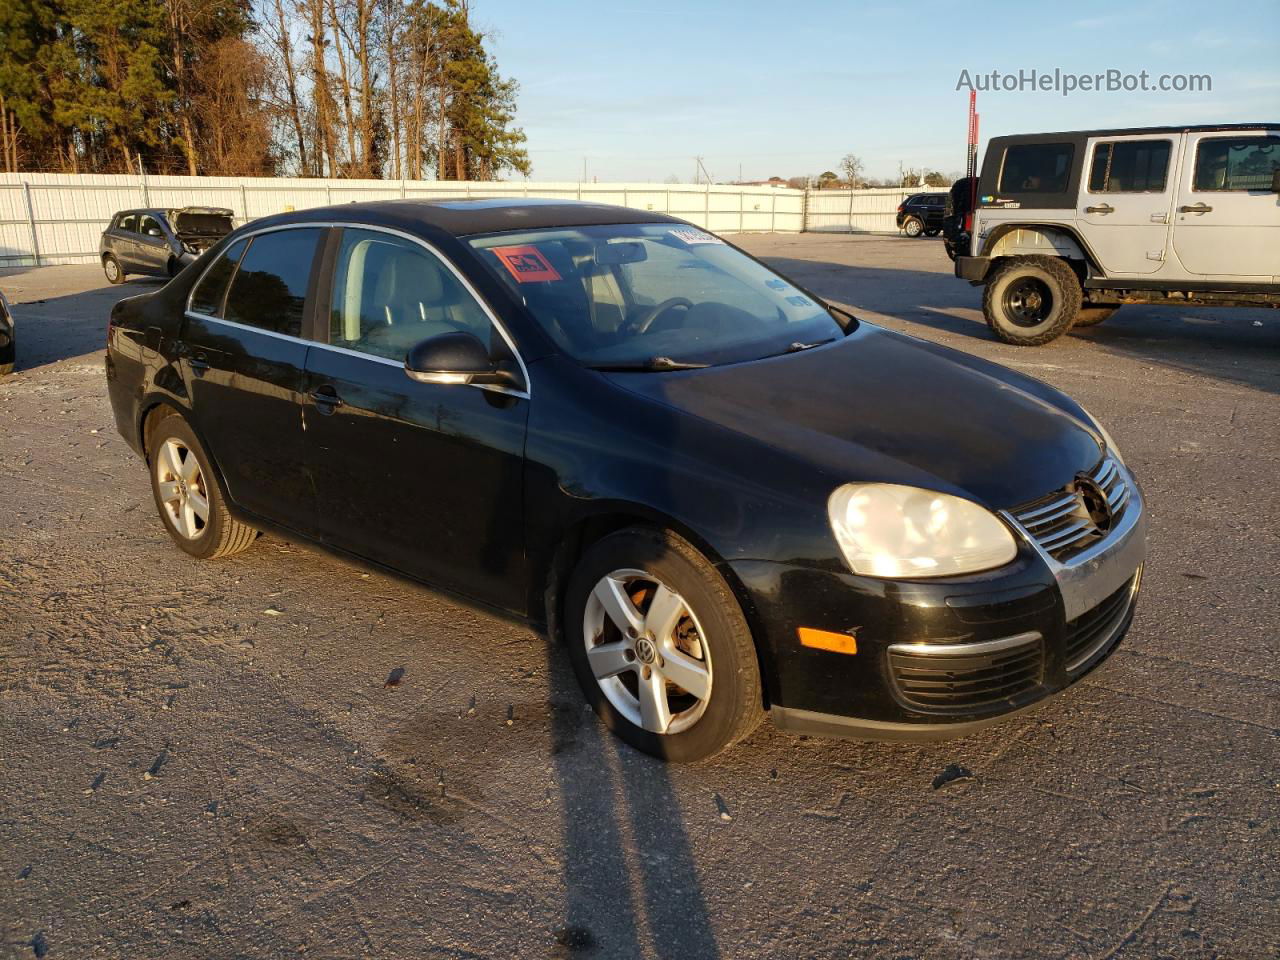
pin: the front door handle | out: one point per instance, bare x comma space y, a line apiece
326, 399
1102, 208
1196, 208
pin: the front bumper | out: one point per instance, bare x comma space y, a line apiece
940, 658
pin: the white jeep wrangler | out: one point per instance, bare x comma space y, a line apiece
1069, 226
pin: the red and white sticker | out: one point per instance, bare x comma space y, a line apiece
691, 235
526, 264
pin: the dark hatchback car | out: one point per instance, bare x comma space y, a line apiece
724, 495
922, 214
159, 243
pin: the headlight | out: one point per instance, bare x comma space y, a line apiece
888, 530
1106, 437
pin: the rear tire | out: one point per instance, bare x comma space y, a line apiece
1092, 316
187, 494
912, 226
111, 267
1029, 301
684, 626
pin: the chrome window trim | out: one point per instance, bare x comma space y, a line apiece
404, 235
967, 649
252, 329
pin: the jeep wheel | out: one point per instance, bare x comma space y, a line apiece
1092, 316
912, 227
1029, 301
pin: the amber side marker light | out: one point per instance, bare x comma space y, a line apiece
826, 640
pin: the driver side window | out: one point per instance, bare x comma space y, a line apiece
390, 293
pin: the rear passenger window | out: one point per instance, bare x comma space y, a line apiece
270, 288
129, 222
1036, 168
207, 296
390, 293
1130, 166
1237, 163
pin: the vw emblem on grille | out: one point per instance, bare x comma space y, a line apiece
1095, 502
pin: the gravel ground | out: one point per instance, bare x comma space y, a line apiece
205, 759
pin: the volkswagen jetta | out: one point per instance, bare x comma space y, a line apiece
726, 496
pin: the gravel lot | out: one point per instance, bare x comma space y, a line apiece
203, 759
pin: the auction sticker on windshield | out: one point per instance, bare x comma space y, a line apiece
691, 236
526, 264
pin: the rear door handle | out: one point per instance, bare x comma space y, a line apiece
1103, 208
1196, 208
326, 399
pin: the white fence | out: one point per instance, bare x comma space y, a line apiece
49, 218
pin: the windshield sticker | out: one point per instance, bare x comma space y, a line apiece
692, 235
526, 264
800, 301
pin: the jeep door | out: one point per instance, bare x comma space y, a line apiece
244, 347
1126, 201
1227, 223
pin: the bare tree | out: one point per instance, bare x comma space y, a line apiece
851, 165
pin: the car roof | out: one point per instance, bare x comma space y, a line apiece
1133, 131
468, 216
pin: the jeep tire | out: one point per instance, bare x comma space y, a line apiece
1029, 301
1092, 316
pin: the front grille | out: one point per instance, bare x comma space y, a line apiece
1060, 522
967, 677
1093, 632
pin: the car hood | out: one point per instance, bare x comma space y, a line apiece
880, 406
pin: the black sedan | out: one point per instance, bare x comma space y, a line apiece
725, 496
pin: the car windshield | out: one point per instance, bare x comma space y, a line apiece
653, 296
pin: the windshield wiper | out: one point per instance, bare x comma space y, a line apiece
651, 365
798, 346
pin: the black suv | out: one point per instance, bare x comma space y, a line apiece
922, 214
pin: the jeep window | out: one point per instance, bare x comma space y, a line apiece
1236, 163
1130, 166
1036, 168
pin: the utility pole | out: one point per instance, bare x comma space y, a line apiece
584, 169
704, 171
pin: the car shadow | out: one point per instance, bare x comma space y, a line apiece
1234, 345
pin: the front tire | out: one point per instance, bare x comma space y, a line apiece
1029, 301
1092, 316
187, 494
912, 227
111, 267
660, 646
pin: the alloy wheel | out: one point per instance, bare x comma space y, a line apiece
184, 494
647, 651
112, 268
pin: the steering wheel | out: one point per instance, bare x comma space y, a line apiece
653, 313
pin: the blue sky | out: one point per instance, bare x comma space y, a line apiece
640, 89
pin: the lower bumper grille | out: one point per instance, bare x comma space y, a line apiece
1092, 633
968, 677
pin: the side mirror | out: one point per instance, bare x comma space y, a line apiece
1275, 180
457, 358
153, 231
